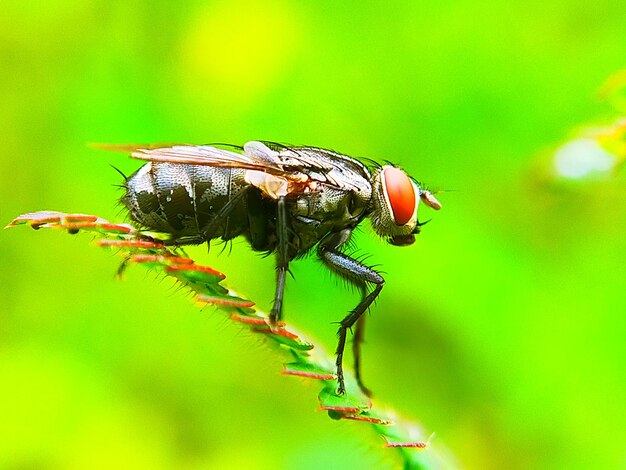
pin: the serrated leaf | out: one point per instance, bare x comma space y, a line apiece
309, 370
205, 282
349, 402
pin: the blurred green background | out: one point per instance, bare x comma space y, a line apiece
501, 330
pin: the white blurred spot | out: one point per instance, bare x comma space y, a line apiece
581, 158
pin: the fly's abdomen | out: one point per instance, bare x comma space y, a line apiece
143, 202
184, 200
213, 189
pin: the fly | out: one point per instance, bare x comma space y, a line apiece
286, 200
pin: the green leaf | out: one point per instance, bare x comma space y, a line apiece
205, 283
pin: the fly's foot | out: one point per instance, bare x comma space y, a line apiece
275, 323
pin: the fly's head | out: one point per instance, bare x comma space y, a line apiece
395, 199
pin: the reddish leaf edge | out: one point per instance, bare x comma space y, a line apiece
140, 248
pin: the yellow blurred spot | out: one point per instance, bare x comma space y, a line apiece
614, 90
613, 139
238, 50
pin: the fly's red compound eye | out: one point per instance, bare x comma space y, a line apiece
401, 194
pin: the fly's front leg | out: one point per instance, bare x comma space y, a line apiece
360, 275
282, 261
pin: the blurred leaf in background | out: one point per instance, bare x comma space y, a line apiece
502, 329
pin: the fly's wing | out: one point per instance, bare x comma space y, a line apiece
295, 164
205, 155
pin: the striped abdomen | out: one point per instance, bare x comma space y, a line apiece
183, 199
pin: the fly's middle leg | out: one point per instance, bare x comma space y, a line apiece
282, 261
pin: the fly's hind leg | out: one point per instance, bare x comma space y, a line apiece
360, 275
176, 242
209, 232
357, 339
222, 215
282, 261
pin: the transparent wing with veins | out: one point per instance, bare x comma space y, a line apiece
295, 168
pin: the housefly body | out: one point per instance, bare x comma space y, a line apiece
286, 200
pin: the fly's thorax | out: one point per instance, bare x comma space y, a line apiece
340, 208
394, 205
314, 215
